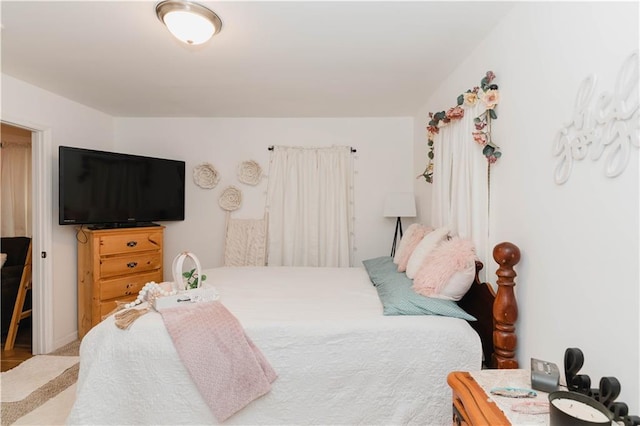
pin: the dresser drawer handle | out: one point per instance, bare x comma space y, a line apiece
132, 264
132, 243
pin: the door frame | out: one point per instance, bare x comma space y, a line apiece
42, 213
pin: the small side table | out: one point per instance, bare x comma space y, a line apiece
474, 405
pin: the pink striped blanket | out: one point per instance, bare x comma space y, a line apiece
225, 365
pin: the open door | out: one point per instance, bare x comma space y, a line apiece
16, 161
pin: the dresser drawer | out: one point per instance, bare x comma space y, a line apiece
132, 264
130, 243
127, 286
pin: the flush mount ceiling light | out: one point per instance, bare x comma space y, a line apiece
189, 22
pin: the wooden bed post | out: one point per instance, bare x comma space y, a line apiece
505, 308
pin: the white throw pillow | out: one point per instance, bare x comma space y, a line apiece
411, 245
3, 258
422, 250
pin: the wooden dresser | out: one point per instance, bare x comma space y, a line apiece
113, 265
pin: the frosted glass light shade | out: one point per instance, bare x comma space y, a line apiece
400, 204
189, 22
188, 27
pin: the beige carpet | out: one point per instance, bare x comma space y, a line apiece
52, 379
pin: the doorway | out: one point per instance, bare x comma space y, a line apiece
16, 161
42, 208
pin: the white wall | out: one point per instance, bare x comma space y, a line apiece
70, 124
382, 163
578, 280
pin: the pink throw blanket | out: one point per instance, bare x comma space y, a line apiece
227, 368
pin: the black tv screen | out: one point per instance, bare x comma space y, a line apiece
108, 189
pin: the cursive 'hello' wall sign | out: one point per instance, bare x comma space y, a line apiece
609, 126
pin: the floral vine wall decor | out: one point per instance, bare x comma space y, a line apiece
488, 94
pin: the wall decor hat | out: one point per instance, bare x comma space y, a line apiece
249, 172
205, 176
230, 199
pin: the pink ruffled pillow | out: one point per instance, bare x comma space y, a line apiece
410, 240
402, 244
450, 264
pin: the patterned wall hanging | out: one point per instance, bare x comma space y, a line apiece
249, 172
230, 199
205, 176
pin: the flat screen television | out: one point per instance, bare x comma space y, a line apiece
111, 190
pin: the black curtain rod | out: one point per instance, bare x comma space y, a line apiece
352, 149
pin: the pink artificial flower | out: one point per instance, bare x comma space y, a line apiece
491, 159
433, 129
490, 76
455, 113
491, 98
480, 138
480, 125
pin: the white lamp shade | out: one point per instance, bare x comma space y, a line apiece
400, 204
189, 27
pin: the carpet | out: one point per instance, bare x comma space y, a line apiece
41, 390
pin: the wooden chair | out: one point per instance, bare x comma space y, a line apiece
18, 310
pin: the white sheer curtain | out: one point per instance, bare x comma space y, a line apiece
15, 184
460, 196
309, 203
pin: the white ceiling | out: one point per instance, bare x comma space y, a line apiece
271, 59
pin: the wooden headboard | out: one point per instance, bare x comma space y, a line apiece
496, 312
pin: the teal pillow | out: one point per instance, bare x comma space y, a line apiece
397, 296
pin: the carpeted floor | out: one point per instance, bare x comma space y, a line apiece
49, 398
71, 349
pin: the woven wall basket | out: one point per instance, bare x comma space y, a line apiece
230, 199
205, 176
249, 172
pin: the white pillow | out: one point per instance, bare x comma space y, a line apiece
422, 250
3, 258
411, 246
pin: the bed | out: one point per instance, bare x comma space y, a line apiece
338, 359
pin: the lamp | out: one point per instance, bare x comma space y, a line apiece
189, 22
398, 205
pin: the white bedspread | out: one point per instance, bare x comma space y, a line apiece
338, 359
